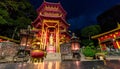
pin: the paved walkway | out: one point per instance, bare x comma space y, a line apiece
107, 58
112, 57
63, 65
81, 59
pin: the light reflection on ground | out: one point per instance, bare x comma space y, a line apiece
63, 65
47, 65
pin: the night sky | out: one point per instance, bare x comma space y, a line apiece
81, 13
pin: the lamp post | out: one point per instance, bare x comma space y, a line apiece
75, 46
25, 41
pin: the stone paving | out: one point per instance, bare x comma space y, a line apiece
114, 64
111, 62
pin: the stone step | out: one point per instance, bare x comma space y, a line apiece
52, 57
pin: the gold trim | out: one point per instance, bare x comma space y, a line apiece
99, 35
118, 45
107, 40
6, 38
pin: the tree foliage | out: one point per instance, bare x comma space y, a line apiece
15, 14
86, 42
90, 31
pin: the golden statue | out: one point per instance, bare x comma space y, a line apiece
51, 39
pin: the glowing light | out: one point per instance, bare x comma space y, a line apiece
75, 46
57, 65
36, 63
24, 64
20, 66
23, 44
38, 43
50, 65
35, 66
28, 45
77, 63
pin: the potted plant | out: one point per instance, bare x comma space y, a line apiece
89, 52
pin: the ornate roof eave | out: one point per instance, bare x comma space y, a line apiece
51, 11
42, 5
35, 30
99, 35
56, 18
65, 22
107, 40
35, 21
51, 3
60, 6
65, 13
67, 33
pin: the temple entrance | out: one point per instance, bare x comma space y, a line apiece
110, 46
112, 51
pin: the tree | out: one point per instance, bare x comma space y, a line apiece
90, 31
14, 15
86, 42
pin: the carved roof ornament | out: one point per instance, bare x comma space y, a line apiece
100, 35
73, 36
118, 25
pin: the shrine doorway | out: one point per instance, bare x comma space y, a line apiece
110, 46
112, 51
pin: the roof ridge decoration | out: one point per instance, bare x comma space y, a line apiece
117, 28
118, 25
52, 2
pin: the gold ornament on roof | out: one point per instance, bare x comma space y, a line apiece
118, 25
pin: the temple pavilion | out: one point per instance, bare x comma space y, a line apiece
50, 26
110, 39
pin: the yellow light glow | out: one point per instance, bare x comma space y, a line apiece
38, 43
23, 44
50, 65
117, 42
57, 65
77, 63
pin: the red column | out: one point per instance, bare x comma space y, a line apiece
115, 44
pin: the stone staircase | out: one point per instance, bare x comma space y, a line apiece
53, 57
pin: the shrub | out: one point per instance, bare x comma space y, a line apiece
89, 51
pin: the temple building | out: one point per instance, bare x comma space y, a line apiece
109, 39
109, 21
50, 26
